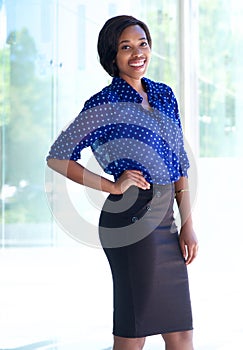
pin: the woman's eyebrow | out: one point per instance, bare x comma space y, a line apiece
127, 40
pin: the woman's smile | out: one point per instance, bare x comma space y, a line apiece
137, 63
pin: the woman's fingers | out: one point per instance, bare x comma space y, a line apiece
188, 244
192, 253
137, 179
183, 249
132, 178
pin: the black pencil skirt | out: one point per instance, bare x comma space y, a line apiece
140, 239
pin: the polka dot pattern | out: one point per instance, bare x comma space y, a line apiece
123, 135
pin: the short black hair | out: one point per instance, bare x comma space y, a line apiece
108, 40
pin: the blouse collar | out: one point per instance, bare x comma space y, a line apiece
127, 93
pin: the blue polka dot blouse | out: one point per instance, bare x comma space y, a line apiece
123, 135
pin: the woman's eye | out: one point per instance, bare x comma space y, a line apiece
125, 47
144, 43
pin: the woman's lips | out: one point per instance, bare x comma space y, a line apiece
137, 63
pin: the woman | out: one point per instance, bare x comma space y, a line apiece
133, 127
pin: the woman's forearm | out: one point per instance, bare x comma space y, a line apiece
77, 173
182, 196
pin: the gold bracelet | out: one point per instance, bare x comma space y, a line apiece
182, 190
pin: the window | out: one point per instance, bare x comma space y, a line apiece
219, 81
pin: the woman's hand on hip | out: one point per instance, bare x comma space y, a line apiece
130, 178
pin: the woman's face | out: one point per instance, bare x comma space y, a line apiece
133, 53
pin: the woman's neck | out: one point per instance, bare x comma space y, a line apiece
136, 84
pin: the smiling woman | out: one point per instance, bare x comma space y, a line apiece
51, 285
133, 128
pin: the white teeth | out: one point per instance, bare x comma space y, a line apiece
138, 64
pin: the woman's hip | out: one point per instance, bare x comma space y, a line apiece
132, 216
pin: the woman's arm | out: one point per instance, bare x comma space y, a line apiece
77, 173
188, 239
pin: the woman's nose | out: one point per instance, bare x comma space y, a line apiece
137, 52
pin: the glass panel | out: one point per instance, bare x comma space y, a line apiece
220, 166
26, 113
221, 124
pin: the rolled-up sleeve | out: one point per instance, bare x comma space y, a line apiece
70, 142
86, 130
